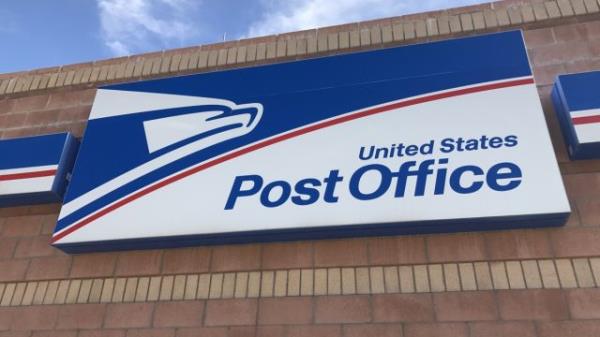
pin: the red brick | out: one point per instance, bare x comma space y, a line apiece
594, 49
139, 263
128, 315
582, 66
7, 247
582, 185
342, 309
87, 96
102, 333
456, 247
538, 37
35, 318
582, 166
78, 113
573, 219
35, 246
76, 128
22, 226
545, 75
202, 332
61, 333
465, 306
436, 330
13, 270
287, 255
518, 244
290, 310
49, 211
566, 33
569, 329
397, 250
572, 242
151, 333
532, 305
502, 329
6, 105
44, 117
314, 331
186, 260
349, 252
21, 132
12, 121
584, 303
241, 331
560, 53
231, 312
402, 307
49, 225
15, 334
178, 314
94, 265
52, 128
6, 317
373, 330
271, 330
81, 316
589, 211
60, 100
235, 257
45, 268
593, 29
30, 103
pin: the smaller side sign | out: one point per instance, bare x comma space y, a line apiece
576, 100
33, 170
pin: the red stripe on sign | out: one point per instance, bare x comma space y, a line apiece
277, 139
27, 175
586, 120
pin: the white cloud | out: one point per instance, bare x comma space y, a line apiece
292, 15
131, 26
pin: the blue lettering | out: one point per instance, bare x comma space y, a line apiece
467, 179
447, 145
456, 176
384, 184
330, 182
510, 141
303, 188
236, 189
511, 171
286, 189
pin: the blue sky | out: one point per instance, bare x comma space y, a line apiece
43, 33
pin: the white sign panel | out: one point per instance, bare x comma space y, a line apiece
446, 136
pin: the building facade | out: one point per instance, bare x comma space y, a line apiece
522, 282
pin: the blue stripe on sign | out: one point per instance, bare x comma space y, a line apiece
502, 55
576, 92
299, 93
192, 160
580, 91
31, 151
56, 149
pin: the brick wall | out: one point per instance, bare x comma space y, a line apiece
540, 282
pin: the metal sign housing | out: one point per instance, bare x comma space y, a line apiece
34, 169
443, 136
576, 99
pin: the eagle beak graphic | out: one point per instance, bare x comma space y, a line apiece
211, 124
